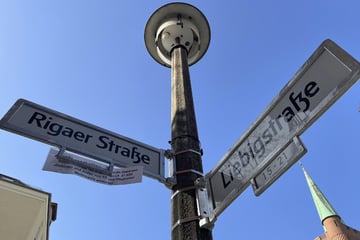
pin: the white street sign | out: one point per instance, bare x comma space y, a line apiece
86, 168
43, 124
324, 77
278, 166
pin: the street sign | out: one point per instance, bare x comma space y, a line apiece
69, 163
43, 124
278, 166
324, 77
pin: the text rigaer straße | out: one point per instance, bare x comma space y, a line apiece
54, 129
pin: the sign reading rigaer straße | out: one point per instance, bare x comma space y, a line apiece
37, 122
327, 75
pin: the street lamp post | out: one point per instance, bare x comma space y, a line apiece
177, 35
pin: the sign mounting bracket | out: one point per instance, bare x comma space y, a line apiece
91, 166
205, 210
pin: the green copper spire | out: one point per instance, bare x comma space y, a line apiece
323, 206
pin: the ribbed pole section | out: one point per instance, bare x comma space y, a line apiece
187, 153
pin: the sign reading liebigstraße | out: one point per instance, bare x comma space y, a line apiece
324, 77
43, 124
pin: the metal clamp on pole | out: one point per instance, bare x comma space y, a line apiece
171, 180
189, 171
182, 190
175, 172
188, 150
185, 220
203, 204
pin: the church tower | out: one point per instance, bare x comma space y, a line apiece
335, 228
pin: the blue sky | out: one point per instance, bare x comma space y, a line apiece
88, 59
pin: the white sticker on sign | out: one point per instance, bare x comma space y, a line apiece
118, 176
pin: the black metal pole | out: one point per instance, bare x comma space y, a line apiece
187, 152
